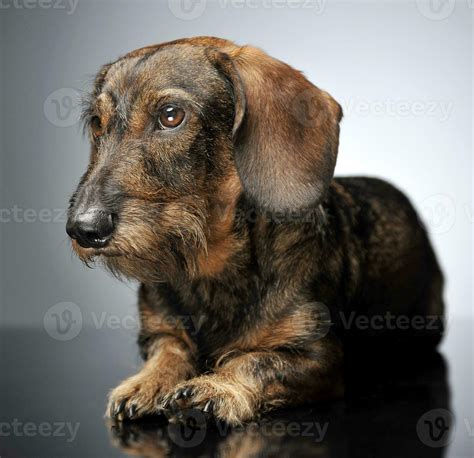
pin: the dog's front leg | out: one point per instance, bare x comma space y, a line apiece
169, 356
169, 363
243, 386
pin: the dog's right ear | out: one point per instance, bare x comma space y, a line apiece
286, 130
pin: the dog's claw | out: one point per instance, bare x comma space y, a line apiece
119, 407
132, 411
187, 392
179, 394
208, 406
163, 404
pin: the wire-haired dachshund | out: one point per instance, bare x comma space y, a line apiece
211, 183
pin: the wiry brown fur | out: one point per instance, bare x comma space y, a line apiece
234, 219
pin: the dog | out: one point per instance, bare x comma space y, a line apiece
211, 183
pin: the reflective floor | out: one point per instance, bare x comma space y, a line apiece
53, 395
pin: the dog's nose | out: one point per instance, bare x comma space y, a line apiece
91, 228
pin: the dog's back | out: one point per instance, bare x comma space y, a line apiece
399, 286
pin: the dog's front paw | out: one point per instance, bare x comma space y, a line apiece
136, 397
226, 400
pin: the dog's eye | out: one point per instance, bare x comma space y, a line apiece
96, 126
171, 116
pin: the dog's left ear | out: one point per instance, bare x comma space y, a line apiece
286, 130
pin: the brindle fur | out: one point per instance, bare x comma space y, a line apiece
234, 219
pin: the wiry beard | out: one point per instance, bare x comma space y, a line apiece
154, 243
169, 260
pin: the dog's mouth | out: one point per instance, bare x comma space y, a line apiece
90, 253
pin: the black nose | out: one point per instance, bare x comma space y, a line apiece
91, 228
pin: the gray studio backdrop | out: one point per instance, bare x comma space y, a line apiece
401, 70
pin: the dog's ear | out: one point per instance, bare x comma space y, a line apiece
286, 130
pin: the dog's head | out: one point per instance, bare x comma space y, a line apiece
178, 132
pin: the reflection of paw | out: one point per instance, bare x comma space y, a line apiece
216, 396
135, 397
139, 440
